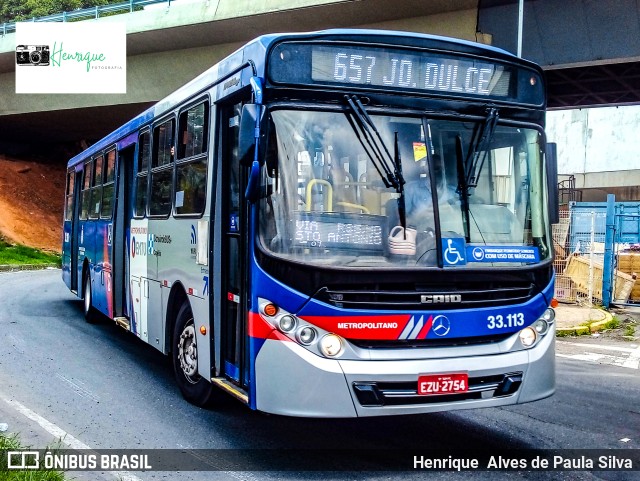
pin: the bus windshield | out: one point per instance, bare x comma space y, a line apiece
329, 202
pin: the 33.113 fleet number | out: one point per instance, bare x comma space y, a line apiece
504, 322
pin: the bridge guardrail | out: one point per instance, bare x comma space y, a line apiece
86, 13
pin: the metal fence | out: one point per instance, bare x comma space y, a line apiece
597, 253
578, 241
627, 256
87, 13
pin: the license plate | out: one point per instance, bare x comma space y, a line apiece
443, 384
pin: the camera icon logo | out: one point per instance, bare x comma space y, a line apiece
32, 55
23, 460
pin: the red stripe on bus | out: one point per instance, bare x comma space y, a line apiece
425, 329
261, 329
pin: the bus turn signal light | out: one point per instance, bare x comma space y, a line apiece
203, 330
270, 310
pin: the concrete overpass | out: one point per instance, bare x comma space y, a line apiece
591, 51
169, 45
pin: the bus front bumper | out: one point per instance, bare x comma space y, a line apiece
293, 381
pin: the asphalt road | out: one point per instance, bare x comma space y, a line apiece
110, 391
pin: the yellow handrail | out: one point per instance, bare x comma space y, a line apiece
310, 185
354, 206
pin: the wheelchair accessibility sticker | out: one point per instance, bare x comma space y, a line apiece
454, 252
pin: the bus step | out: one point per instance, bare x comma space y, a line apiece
231, 388
123, 322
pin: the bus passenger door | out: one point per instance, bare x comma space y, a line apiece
234, 252
120, 235
75, 221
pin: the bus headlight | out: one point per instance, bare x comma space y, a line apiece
330, 345
287, 323
306, 335
541, 326
528, 337
549, 315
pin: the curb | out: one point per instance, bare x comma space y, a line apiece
26, 267
583, 330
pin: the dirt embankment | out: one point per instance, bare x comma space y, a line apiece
32, 202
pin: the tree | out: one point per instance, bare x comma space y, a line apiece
41, 8
19, 10
11, 10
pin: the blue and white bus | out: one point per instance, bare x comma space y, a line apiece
332, 224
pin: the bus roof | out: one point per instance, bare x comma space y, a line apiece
260, 45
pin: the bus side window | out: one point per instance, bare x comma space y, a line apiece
191, 182
162, 169
96, 188
191, 187
192, 130
86, 189
68, 212
108, 187
142, 177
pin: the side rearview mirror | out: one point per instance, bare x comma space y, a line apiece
551, 158
252, 117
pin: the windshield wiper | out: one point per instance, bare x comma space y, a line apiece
463, 188
479, 148
469, 169
377, 151
373, 144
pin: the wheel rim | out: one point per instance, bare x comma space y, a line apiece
87, 296
188, 353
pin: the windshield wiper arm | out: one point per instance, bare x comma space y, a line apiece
391, 178
479, 148
463, 188
402, 209
375, 160
372, 144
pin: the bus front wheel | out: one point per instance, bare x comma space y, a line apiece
184, 353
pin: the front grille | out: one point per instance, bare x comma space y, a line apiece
422, 343
427, 297
378, 394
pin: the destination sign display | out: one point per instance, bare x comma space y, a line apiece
362, 232
388, 68
420, 71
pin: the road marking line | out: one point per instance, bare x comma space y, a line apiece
65, 437
78, 388
18, 343
592, 356
597, 346
633, 361
603, 359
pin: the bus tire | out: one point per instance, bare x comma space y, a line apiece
184, 353
89, 311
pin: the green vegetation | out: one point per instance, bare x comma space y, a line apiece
12, 443
614, 323
17, 254
17, 10
578, 331
630, 329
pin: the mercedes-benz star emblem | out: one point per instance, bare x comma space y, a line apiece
441, 326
